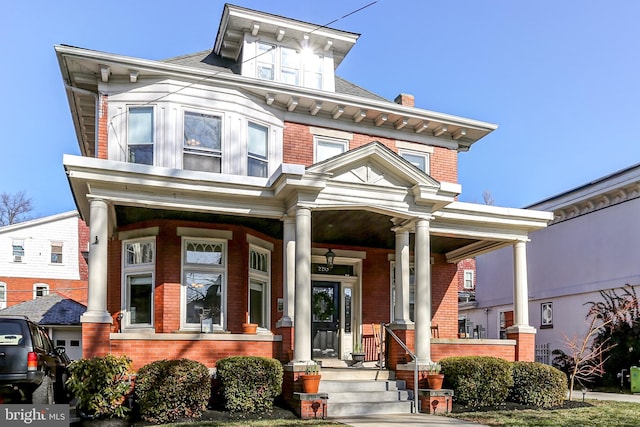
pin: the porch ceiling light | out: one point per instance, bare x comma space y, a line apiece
330, 255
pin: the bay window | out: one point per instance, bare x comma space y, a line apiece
202, 150
259, 286
257, 148
138, 279
140, 135
204, 280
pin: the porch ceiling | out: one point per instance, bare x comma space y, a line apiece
350, 227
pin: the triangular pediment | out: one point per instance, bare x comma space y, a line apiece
376, 165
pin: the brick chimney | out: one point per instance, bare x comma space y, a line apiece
405, 99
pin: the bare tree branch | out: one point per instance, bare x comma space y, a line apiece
14, 208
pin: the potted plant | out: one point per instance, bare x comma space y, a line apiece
358, 354
434, 377
249, 328
311, 378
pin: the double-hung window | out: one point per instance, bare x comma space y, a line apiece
265, 61
140, 135
258, 149
313, 65
204, 267
202, 142
18, 250
138, 270
56, 252
290, 69
469, 279
40, 290
259, 286
3, 295
327, 147
419, 160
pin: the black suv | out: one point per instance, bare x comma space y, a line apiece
31, 369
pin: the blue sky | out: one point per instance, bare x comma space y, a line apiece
560, 78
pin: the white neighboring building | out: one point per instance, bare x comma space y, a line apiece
591, 245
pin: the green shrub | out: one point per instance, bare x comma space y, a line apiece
478, 381
538, 384
101, 385
250, 384
166, 390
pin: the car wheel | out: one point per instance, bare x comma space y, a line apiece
43, 395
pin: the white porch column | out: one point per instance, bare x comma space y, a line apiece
520, 286
302, 320
401, 309
422, 307
288, 272
98, 243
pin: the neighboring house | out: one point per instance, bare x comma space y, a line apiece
41, 257
60, 315
249, 182
44, 255
592, 245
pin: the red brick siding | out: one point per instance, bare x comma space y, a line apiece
103, 130
83, 246
444, 164
20, 289
467, 264
207, 352
525, 349
444, 297
298, 149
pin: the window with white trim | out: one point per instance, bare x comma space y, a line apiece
56, 252
202, 149
419, 160
138, 281
412, 291
469, 276
204, 265
546, 315
257, 150
259, 286
140, 135
40, 290
18, 250
3, 295
265, 61
288, 65
325, 148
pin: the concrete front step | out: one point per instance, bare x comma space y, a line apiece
356, 374
353, 392
329, 386
350, 409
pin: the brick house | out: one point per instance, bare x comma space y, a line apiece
46, 258
251, 182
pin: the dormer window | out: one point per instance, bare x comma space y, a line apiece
288, 65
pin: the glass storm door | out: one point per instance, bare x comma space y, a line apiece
325, 319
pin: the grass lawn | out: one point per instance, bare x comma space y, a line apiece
594, 413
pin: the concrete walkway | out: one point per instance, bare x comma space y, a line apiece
404, 419
442, 421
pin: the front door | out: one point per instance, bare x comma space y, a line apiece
325, 319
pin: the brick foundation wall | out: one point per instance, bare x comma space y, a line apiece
95, 339
526, 346
207, 352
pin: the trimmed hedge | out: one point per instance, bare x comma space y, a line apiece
478, 381
100, 384
538, 384
249, 383
167, 390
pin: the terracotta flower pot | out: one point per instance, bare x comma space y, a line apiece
310, 383
249, 328
435, 381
